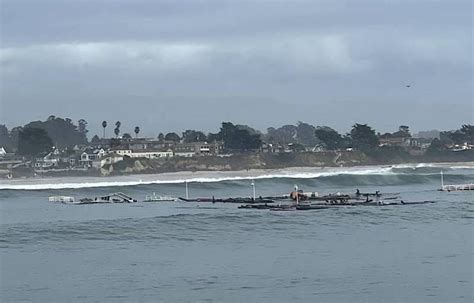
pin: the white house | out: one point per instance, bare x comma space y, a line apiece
48, 161
151, 154
461, 147
3, 152
88, 156
108, 159
185, 154
120, 151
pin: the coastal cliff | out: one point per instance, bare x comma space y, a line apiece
239, 162
269, 161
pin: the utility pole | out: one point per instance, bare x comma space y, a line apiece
253, 186
297, 195
187, 191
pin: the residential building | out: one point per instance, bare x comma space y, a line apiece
89, 155
151, 154
461, 147
406, 142
197, 149
185, 150
47, 162
123, 151
107, 159
272, 148
145, 143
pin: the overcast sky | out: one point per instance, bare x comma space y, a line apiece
169, 66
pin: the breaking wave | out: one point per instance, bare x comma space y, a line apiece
328, 174
204, 179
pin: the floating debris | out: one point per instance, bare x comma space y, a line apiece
61, 199
155, 198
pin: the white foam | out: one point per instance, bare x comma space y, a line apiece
214, 177
463, 165
231, 176
414, 165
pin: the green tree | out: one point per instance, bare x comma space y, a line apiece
172, 137
468, 131
403, 132
363, 137
82, 127
63, 132
282, 135
238, 139
331, 138
436, 147
34, 142
117, 128
161, 137
104, 125
305, 134
445, 137
115, 142
211, 137
95, 139
126, 136
462, 135
15, 136
251, 130
136, 130
5, 140
193, 136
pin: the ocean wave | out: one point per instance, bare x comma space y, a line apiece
216, 177
439, 166
209, 179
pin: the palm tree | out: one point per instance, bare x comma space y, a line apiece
104, 125
117, 128
137, 130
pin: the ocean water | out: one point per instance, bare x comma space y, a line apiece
204, 252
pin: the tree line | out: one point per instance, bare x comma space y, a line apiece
39, 137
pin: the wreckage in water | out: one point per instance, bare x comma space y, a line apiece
111, 198
455, 187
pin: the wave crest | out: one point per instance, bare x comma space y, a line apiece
215, 177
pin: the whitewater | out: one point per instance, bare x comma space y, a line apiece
220, 176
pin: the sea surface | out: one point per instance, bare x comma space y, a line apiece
204, 252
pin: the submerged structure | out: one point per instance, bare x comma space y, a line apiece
454, 187
110, 198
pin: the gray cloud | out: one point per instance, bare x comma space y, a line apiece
168, 66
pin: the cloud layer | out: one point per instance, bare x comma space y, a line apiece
169, 66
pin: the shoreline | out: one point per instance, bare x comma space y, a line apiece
74, 182
262, 162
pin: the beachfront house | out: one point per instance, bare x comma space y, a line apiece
197, 149
47, 162
186, 150
272, 148
123, 151
110, 158
146, 143
88, 156
461, 147
151, 153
